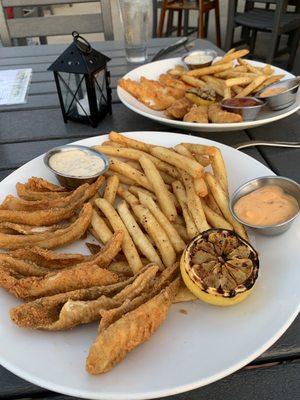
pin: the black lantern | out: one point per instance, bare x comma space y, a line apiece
82, 82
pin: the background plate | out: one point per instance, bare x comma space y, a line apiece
153, 70
187, 351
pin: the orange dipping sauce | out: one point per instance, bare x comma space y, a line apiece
266, 206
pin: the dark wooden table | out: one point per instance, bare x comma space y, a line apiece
31, 129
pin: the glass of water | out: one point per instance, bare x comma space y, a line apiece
135, 16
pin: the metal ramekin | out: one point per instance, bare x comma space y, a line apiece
248, 113
288, 185
284, 99
206, 52
70, 181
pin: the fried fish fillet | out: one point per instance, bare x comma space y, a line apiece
168, 80
217, 115
28, 194
197, 114
178, 109
81, 276
42, 185
23, 267
66, 310
114, 343
45, 312
51, 240
12, 228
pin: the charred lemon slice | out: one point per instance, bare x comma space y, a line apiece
219, 267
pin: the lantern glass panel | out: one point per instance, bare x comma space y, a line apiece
101, 90
74, 94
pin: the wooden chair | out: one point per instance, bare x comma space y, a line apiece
202, 6
279, 22
53, 25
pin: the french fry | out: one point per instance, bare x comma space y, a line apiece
94, 233
227, 93
211, 202
215, 84
180, 194
269, 81
191, 166
168, 179
133, 154
136, 189
100, 227
128, 142
174, 237
137, 235
122, 178
110, 192
194, 204
135, 164
250, 67
237, 89
201, 149
232, 56
230, 51
238, 81
127, 196
268, 70
111, 144
222, 201
128, 246
203, 160
219, 168
209, 70
214, 219
252, 86
154, 229
198, 100
159, 188
131, 173
198, 83
182, 232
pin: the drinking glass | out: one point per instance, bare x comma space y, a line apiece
135, 15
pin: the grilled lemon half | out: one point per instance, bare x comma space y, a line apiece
219, 267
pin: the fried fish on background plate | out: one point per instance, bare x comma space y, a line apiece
197, 114
178, 109
217, 115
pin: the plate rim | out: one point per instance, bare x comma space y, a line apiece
199, 125
156, 393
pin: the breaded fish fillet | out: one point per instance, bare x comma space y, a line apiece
197, 114
81, 276
112, 345
51, 240
217, 115
178, 109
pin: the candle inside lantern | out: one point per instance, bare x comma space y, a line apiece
83, 107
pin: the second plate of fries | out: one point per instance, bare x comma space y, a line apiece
166, 91
136, 333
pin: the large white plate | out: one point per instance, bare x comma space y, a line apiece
187, 351
153, 70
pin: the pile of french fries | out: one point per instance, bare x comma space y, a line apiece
160, 198
231, 76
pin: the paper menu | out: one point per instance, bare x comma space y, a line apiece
14, 86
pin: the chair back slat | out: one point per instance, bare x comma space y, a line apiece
54, 25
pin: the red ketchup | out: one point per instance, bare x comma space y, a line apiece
241, 102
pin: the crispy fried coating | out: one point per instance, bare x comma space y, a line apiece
184, 295
45, 312
81, 276
23, 267
66, 310
168, 80
42, 185
50, 240
12, 228
197, 114
114, 343
178, 109
48, 258
217, 115
28, 194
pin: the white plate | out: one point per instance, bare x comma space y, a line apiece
187, 351
153, 70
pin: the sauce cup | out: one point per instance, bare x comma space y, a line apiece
238, 105
71, 181
288, 185
283, 99
207, 53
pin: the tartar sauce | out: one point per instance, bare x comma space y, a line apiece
266, 206
77, 163
198, 58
